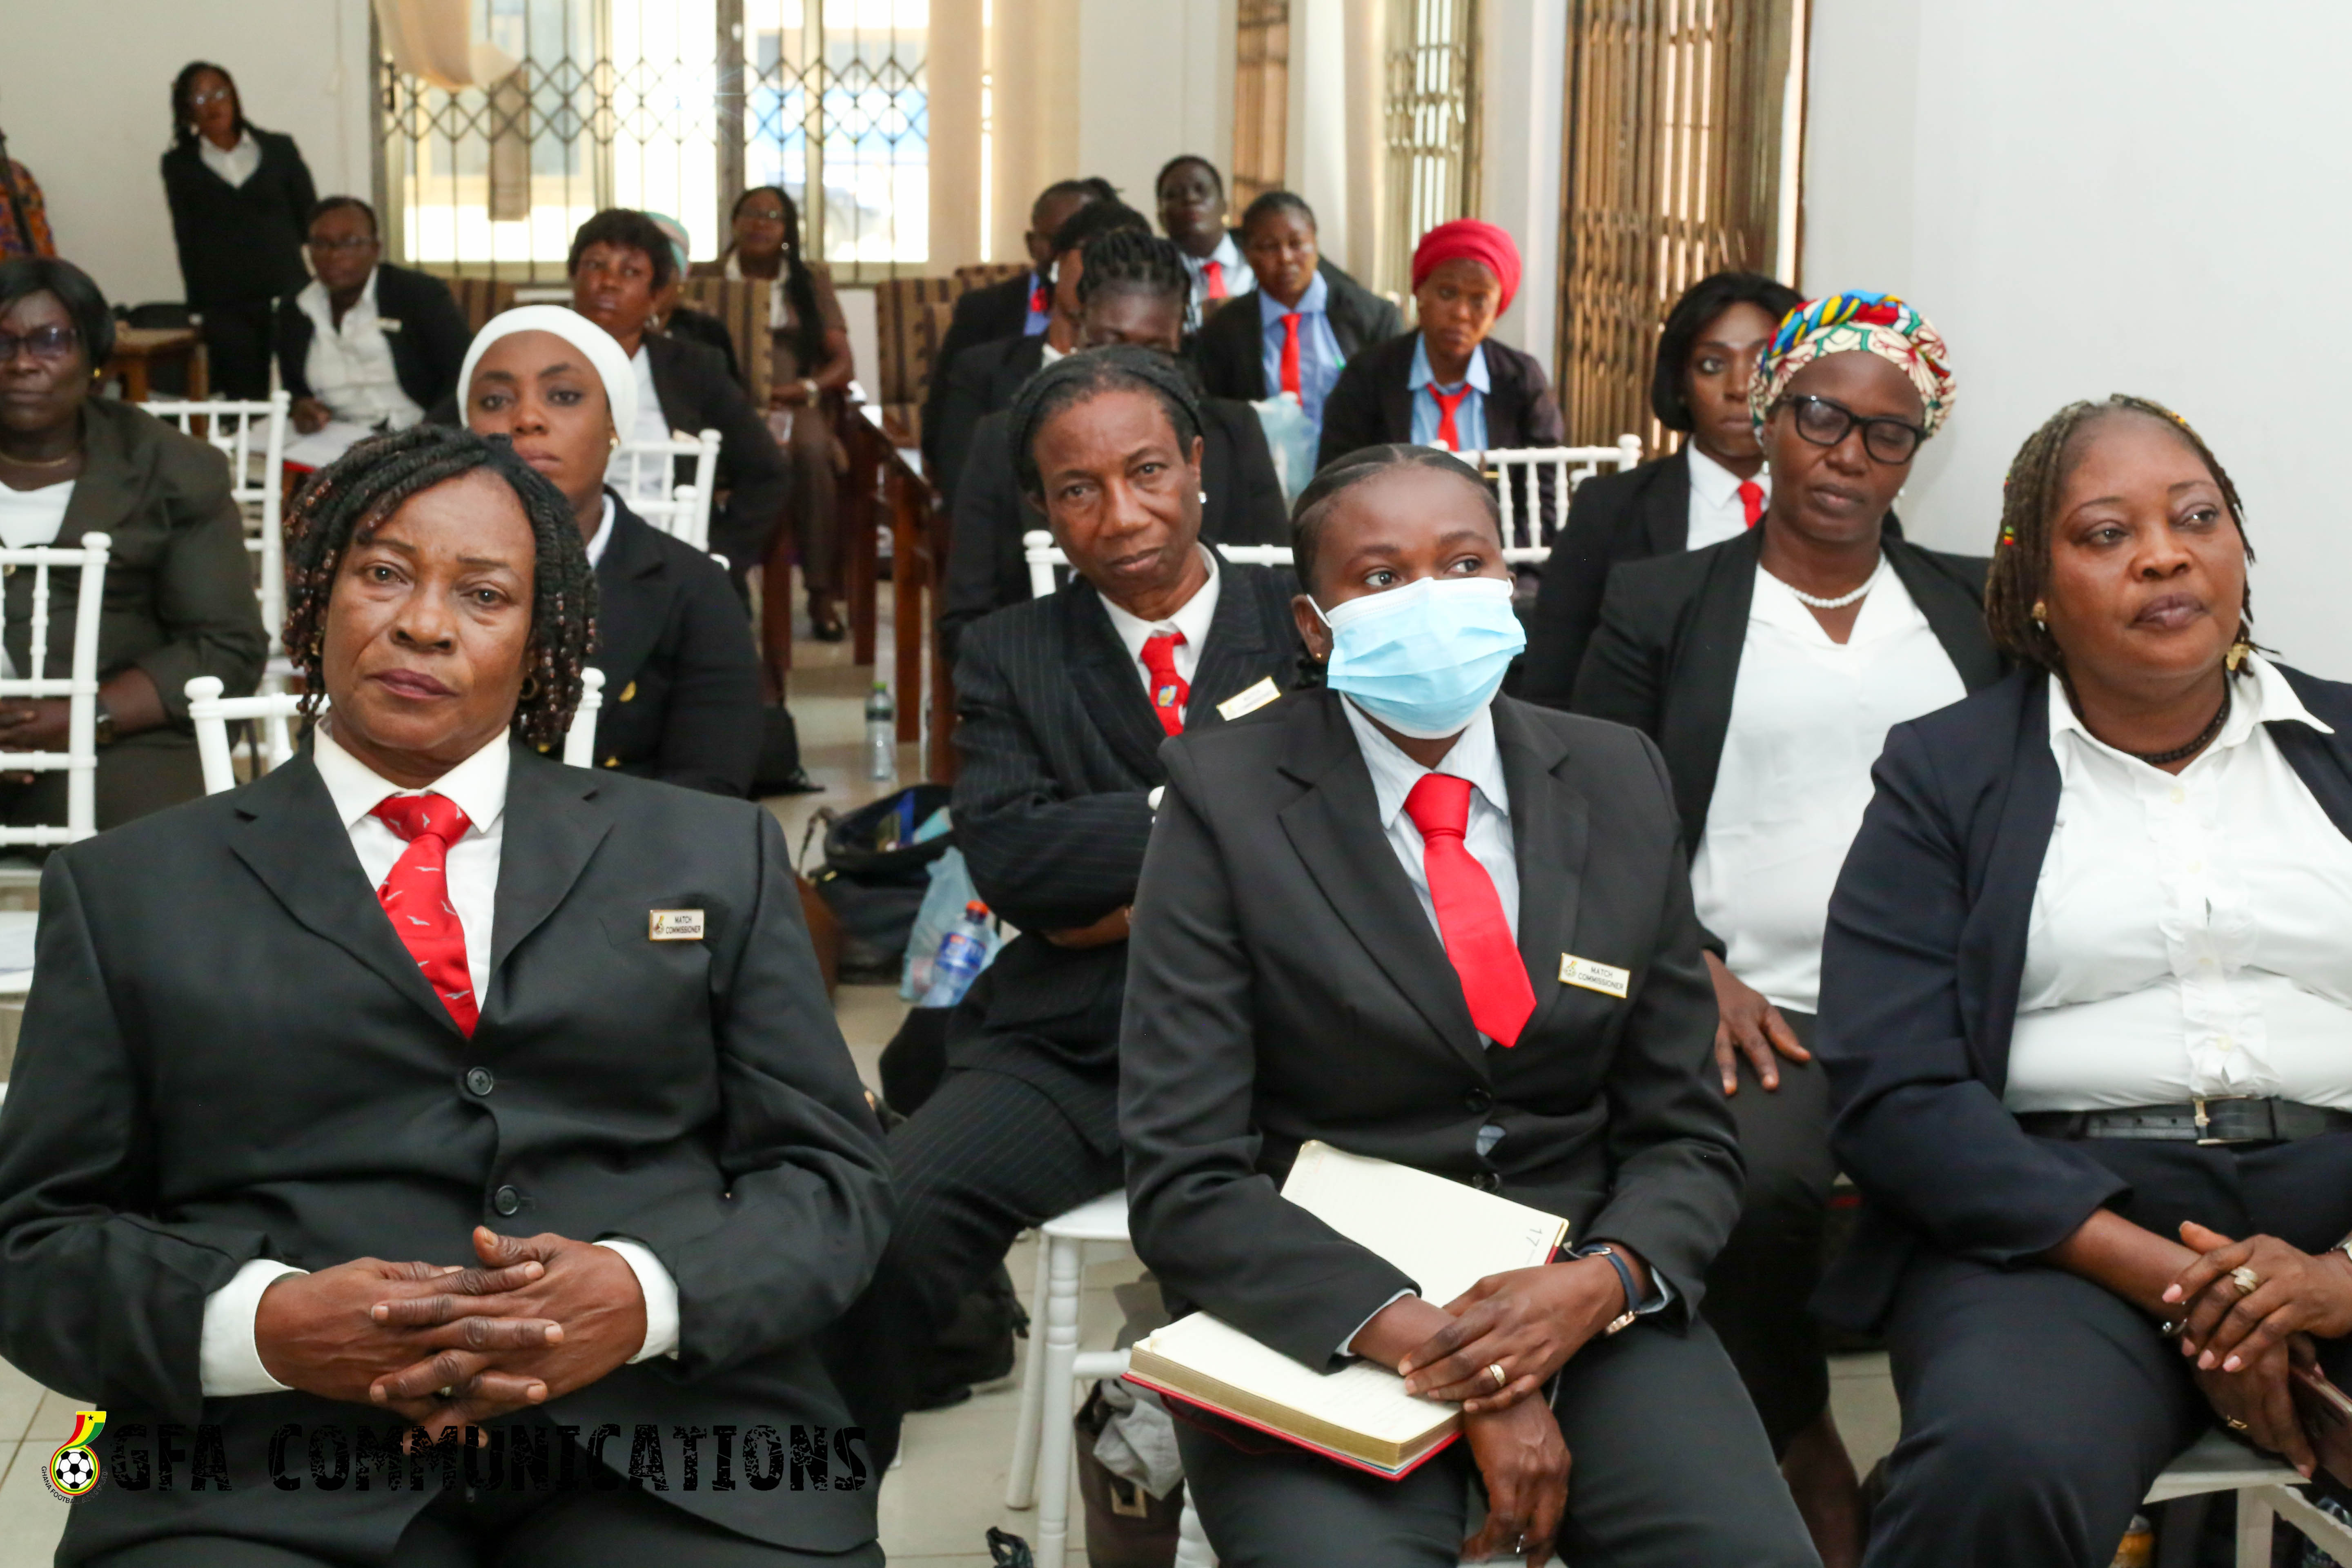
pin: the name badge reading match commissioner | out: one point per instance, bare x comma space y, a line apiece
1605, 978
686, 925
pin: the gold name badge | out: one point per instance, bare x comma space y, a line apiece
1605, 978
1250, 700
686, 925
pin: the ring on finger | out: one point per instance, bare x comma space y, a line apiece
2245, 1279
1495, 1370
2233, 1424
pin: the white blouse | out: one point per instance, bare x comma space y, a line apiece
31, 518
1809, 717
2189, 931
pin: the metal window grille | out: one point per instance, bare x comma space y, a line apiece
1673, 172
1261, 98
676, 105
1432, 112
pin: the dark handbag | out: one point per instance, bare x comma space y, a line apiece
1127, 1527
874, 876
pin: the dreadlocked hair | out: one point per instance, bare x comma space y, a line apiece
1127, 258
2020, 578
355, 495
1083, 377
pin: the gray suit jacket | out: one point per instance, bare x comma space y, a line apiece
1285, 985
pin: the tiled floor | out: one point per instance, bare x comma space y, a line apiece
938, 1506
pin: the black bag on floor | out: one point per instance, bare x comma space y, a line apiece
1127, 1527
874, 877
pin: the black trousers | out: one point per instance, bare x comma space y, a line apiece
987, 1156
2037, 1407
1670, 1471
1758, 1285
237, 348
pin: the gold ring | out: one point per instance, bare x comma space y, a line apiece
2245, 1279
1502, 1379
2233, 1424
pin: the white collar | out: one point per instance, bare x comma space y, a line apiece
1712, 482
2264, 698
477, 785
1473, 756
1192, 617
603, 537
1051, 354
312, 302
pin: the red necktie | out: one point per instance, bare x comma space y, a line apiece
1215, 273
1040, 298
1751, 500
416, 897
1447, 402
1170, 691
1290, 354
1469, 911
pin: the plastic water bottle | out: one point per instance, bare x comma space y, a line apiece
881, 735
962, 953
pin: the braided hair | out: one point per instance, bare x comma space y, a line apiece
184, 108
1127, 258
2020, 578
1083, 377
1313, 508
352, 497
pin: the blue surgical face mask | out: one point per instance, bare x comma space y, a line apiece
1426, 657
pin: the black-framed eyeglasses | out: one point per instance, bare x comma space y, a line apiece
348, 242
49, 344
1823, 423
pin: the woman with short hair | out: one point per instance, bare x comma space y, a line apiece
2084, 1006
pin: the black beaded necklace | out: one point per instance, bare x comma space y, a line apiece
2204, 737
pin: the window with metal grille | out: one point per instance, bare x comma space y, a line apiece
1430, 107
1261, 98
675, 106
1674, 157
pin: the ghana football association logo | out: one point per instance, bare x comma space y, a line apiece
73, 1470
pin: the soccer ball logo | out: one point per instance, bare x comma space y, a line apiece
73, 1468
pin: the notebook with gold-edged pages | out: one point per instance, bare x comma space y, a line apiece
1443, 1235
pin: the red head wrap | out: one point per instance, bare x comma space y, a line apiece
1469, 238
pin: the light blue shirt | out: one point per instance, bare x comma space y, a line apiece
1038, 320
1319, 358
1470, 419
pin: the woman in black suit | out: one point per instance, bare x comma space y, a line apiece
2082, 1010
681, 674
1768, 669
1710, 489
1303, 967
239, 197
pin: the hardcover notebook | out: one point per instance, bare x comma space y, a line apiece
1446, 1236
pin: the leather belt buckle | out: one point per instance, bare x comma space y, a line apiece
2206, 1136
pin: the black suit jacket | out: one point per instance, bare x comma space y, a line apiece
1230, 348
1369, 405
1612, 518
1060, 748
696, 393
681, 674
429, 347
228, 1055
1665, 658
983, 381
240, 244
1286, 986
1920, 975
980, 316
985, 568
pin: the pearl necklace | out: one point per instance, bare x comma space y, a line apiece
1814, 601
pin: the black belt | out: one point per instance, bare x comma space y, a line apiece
2217, 1119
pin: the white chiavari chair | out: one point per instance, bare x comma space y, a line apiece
1542, 472
252, 437
77, 686
642, 473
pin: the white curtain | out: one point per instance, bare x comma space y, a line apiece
434, 39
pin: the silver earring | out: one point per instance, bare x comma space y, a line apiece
1204, 498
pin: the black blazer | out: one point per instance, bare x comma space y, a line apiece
1920, 975
1612, 518
240, 244
1059, 748
228, 1055
681, 674
426, 331
986, 569
984, 382
1369, 405
1665, 658
980, 316
1230, 348
696, 393
1285, 985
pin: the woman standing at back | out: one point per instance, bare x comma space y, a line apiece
239, 197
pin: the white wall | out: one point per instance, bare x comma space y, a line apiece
2089, 196
1155, 78
1524, 73
85, 101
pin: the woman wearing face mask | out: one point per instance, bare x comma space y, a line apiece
1351, 924
1767, 669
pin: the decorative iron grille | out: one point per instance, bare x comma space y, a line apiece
1432, 114
1261, 98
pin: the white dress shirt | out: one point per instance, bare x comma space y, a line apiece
2187, 932
641, 479
602, 542
1809, 717
1239, 279
228, 1359
1192, 618
1716, 512
1488, 835
235, 166
30, 518
349, 365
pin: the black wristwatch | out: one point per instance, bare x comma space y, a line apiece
105, 727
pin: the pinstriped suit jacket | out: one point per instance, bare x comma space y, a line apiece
1061, 750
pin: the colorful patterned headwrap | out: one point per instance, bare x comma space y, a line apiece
1878, 324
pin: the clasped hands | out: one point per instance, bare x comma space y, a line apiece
445, 1346
2244, 1342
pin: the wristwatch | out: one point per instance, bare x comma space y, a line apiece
105, 726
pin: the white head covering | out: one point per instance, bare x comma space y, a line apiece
612, 365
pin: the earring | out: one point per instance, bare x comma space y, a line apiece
2040, 613
2238, 649
1204, 498
529, 692
616, 440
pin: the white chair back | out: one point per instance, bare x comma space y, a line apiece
642, 471
1554, 471
212, 714
252, 437
78, 760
